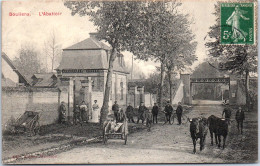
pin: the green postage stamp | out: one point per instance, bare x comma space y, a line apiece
237, 23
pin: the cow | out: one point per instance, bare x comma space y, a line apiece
198, 129
219, 127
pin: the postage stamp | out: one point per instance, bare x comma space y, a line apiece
237, 23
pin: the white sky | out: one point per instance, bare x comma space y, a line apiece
72, 29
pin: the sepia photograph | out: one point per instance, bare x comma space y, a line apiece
129, 82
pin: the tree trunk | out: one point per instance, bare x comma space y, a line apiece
161, 86
104, 109
171, 85
247, 90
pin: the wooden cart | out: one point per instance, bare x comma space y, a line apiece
28, 123
120, 133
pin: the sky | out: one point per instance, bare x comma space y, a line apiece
35, 29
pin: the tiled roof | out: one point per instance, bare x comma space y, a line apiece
44, 80
89, 44
89, 54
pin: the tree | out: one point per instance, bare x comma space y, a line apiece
52, 49
28, 61
238, 59
184, 45
116, 22
163, 33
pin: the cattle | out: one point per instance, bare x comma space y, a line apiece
219, 127
198, 129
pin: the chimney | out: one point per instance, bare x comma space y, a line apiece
93, 35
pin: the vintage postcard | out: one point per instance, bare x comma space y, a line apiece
129, 82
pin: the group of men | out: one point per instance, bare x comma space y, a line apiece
80, 113
149, 115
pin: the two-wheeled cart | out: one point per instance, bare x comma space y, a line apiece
112, 130
28, 123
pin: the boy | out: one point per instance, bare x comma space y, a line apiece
149, 119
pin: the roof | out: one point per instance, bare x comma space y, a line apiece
89, 54
44, 80
89, 44
22, 77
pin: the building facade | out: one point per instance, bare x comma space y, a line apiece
82, 75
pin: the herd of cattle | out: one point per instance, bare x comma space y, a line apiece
199, 128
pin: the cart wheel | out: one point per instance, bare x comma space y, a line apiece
125, 139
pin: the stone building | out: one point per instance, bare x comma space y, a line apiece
82, 74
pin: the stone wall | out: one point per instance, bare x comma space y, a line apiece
17, 100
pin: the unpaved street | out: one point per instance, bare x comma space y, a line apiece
164, 144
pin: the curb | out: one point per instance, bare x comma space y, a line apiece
51, 151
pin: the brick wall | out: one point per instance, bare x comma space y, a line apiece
17, 100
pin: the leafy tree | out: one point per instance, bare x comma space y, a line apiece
116, 22
165, 35
28, 61
184, 46
238, 59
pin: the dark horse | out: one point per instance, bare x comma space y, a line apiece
219, 127
198, 129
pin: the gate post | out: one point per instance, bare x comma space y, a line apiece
186, 88
232, 90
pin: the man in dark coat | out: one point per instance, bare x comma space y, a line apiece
115, 109
179, 111
141, 111
76, 115
62, 115
130, 113
227, 113
155, 111
168, 112
240, 117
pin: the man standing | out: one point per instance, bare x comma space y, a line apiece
83, 112
179, 111
62, 115
130, 113
115, 109
76, 115
155, 111
168, 112
227, 112
141, 111
240, 117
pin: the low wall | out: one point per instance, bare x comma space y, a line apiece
17, 100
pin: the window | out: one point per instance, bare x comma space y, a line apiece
122, 90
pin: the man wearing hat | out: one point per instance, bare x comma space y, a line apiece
141, 110
115, 109
168, 112
155, 111
240, 117
130, 113
227, 112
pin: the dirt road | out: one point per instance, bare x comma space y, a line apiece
164, 144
